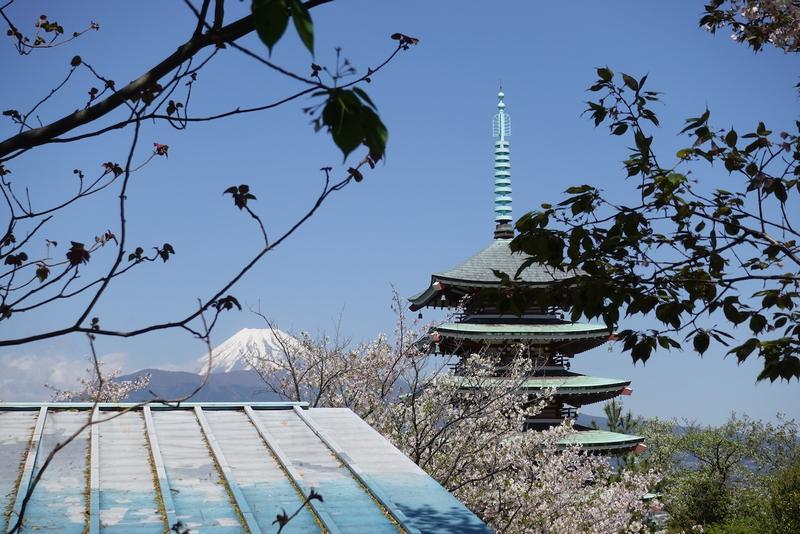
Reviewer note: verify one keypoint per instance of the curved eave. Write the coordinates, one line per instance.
(565, 338)
(568, 389)
(602, 441)
(536, 333)
(569, 347)
(570, 385)
(426, 297)
(420, 300)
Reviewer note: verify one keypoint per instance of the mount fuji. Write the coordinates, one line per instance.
(247, 346)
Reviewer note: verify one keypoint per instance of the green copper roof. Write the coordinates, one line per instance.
(479, 268)
(601, 440)
(531, 332)
(570, 384)
(478, 271)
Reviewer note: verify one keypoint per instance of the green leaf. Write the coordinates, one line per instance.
(620, 129)
(352, 123)
(576, 189)
(745, 349)
(605, 74)
(757, 323)
(733, 314)
(342, 122)
(365, 97)
(731, 138)
(270, 18)
(42, 272)
(375, 133)
(631, 82)
(701, 341)
(303, 25)
(641, 351)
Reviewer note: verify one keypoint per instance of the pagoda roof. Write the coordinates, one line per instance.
(560, 336)
(538, 332)
(574, 389)
(569, 384)
(602, 440)
(478, 271)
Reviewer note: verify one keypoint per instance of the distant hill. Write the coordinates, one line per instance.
(586, 420)
(233, 386)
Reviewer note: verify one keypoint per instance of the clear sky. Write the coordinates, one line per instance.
(426, 209)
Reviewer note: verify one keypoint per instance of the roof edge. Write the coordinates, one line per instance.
(278, 405)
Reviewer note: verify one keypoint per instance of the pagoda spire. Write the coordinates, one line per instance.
(501, 127)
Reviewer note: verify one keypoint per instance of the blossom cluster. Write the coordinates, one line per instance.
(758, 21)
(103, 388)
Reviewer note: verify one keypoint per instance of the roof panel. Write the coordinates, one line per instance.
(127, 488)
(319, 468)
(422, 500)
(61, 498)
(260, 478)
(16, 430)
(201, 500)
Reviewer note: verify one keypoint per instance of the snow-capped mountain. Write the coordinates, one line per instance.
(247, 345)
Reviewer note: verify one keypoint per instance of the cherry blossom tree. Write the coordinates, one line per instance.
(471, 441)
(100, 386)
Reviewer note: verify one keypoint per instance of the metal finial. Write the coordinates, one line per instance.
(501, 129)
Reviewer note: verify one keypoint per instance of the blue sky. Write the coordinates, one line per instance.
(427, 208)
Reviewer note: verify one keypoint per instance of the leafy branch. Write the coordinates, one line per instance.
(687, 252)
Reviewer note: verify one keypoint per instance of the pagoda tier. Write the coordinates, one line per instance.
(572, 388)
(548, 336)
(604, 441)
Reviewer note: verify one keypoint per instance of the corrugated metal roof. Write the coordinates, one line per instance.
(214, 467)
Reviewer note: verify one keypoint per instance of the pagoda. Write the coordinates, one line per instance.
(550, 340)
